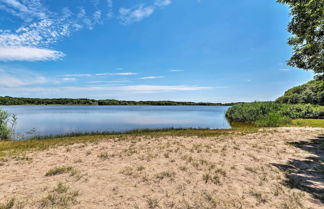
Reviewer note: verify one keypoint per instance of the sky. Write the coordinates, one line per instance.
(183, 50)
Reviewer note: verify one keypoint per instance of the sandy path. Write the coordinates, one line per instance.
(257, 170)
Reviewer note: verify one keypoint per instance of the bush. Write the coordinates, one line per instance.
(272, 114)
(5, 131)
(251, 112)
(273, 119)
(302, 111)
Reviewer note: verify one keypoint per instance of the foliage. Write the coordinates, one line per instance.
(302, 111)
(273, 119)
(272, 114)
(307, 27)
(250, 112)
(66, 101)
(5, 131)
(309, 93)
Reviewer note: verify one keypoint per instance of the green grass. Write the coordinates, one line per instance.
(11, 148)
(308, 122)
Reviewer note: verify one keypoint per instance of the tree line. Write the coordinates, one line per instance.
(7, 100)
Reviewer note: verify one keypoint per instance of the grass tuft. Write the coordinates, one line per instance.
(59, 170)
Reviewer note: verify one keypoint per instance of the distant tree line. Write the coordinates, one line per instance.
(6, 100)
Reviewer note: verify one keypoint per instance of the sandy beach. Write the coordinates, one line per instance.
(269, 168)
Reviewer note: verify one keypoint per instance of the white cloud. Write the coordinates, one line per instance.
(28, 54)
(163, 3)
(119, 74)
(69, 79)
(19, 78)
(284, 69)
(151, 77)
(77, 75)
(136, 14)
(158, 88)
(128, 16)
(88, 91)
(176, 70)
(26, 10)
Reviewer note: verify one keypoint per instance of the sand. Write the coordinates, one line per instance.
(272, 168)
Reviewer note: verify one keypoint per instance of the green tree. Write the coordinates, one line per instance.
(307, 27)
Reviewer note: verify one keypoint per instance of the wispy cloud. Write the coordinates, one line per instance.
(117, 74)
(175, 70)
(89, 91)
(284, 69)
(19, 78)
(28, 54)
(77, 75)
(151, 77)
(69, 79)
(138, 13)
(159, 88)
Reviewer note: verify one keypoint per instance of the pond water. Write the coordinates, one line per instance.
(57, 120)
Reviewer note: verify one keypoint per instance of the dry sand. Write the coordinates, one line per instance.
(273, 168)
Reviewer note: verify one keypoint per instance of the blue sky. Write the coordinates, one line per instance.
(185, 50)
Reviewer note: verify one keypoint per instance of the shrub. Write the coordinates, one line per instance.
(272, 114)
(5, 131)
(273, 119)
(251, 112)
(302, 111)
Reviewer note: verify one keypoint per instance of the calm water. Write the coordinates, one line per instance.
(47, 120)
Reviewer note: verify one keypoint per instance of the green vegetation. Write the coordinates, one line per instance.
(5, 120)
(272, 119)
(309, 93)
(308, 30)
(308, 122)
(66, 101)
(272, 114)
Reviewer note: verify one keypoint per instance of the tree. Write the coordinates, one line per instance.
(307, 27)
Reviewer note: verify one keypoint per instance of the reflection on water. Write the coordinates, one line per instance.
(47, 120)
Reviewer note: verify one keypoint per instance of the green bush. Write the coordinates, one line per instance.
(251, 112)
(273, 119)
(302, 111)
(5, 131)
(271, 113)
